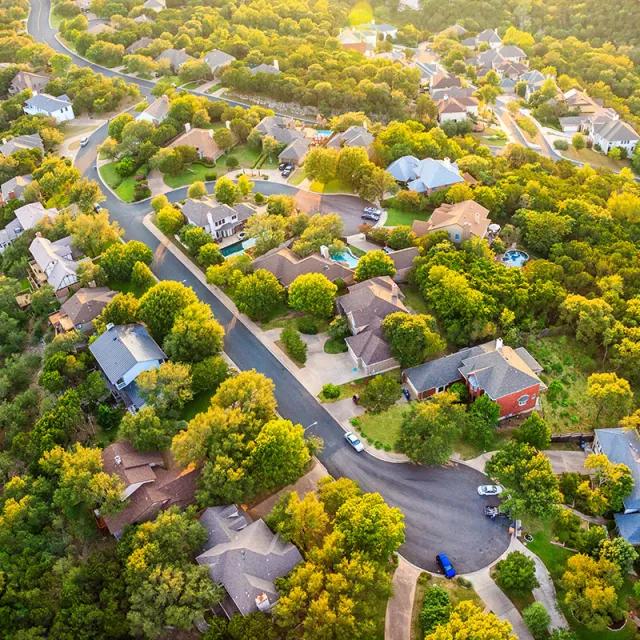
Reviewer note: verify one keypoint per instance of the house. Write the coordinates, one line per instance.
(176, 57)
(455, 29)
(512, 54)
(30, 214)
(59, 108)
(425, 176)
(362, 41)
(220, 220)
(577, 100)
(622, 447)
(286, 266)
(427, 71)
(508, 376)
(384, 30)
(156, 112)
(403, 262)
(444, 80)
(155, 5)
(123, 352)
(143, 19)
(53, 262)
(392, 56)
(295, 152)
(282, 129)
(470, 43)
(511, 70)
(21, 143)
(610, 133)
(79, 311)
(354, 136)
(201, 139)
(35, 82)
(366, 305)
(7, 235)
(99, 28)
(490, 37)
(461, 221)
(143, 43)
(273, 69)
(456, 109)
(14, 188)
(244, 557)
(217, 60)
(152, 482)
(508, 85)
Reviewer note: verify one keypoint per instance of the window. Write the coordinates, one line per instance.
(522, 400)
(457, 236)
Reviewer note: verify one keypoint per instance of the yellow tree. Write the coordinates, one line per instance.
(469, 621)
(610, 391)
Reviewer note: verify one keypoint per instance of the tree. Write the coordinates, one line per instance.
(146, 430)
(196, 190)
(436, 609)
(380, 394)
(281, 205)
(578, 142)
(516, 574)
(226, 191)
(161, 305)
(167, 388)
(170, 220)
(528, 478)
(245, 186)
(610, 391)
(620, 552)
(482, 421)
(334, 493)
(429, 429)
(614, 481)
(534, 431)
(92, 233)
(142, 277)
(320, 164)
(313, 293)
(224, 139)
(537, 619)
(118, 259)
(44, 301)
(208, 374)
(374, 264)
(294, 345)
(123, 309)
(350, 159)
(209, 255)
(86, 193)
(259, 295)
(271, 147)
(468, 621)
(195, 335)
(159, 202)
(194, 238)
(412, 338)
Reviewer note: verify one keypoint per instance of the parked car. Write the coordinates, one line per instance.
(387, 249)
(97, 208)
(353, 440)
(445, 565)
(281, 166)
(84, 142)
(287, 172)
(370, 216)
(489, 490)
(372, 210)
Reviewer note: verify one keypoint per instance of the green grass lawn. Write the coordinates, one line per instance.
(528, 127)
(124, 188)
(24, 285)
(382, 427)
(297, 176)
(193, 173)
(413, 298)
(289, 319)
(192, 85)
(71, 131)
(197, 404)
(127, 287)
(214, 88)
(335, 346)
(55, 20)
(246, 156)
(492, 137)
(397, 217)
(596, 159)
(334, 186)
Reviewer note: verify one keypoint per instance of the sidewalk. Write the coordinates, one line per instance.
(397, 625)
(561, 461)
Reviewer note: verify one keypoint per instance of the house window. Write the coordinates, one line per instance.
(522, 400)
(440, 389)
(457, 236)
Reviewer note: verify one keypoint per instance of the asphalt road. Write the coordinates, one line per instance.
(442, 509)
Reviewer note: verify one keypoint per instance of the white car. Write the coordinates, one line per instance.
(489, 490)
(353, 440)
(84, 142)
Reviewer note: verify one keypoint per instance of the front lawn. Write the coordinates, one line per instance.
(397, 217)
(196, 405)
(492, 137)
(334, 186)
(382, 427)
(124, 188)
(246, 156)
(193, 173)
(333, 346)
(192, 85)
(297, 176)
(127, 287)
(285, 318)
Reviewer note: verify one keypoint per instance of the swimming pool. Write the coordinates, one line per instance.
(515, 258)
(324, 133)
(237, 247)
(347, 257)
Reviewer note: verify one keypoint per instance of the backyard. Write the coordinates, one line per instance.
(397, 217)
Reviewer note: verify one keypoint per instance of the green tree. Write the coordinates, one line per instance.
(374, 264)
(271, 147)
(516, 574)
(142, 277)
(537, 619)
(209, 374)
(226, 191)
(123, 309)
(313, 293)
(209, 255)
(380, 394)
(578, 142)
(44, 301)
(412, 338)
(146, 430)
(167, 388)
(159, 202)
(194, 238)
(224, 139)
(170, 220)
(259, 295)
(436, 609)
(294, 345)
(196, 190)
(281, 205)
(610, 391)
(320, 164)
(349, 160)
(162, 304)
(620, 552)
(482, 420)
(334, 493)
(92, 233)
(614, 481)
(534, 431)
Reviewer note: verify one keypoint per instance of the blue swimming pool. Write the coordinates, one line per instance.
(515, 258)
(347, 257)
(324, 133)
(237, 247)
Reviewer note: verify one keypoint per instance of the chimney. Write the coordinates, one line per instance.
(187, 127)
(210, 132)
(226, 124)
(110, 326)
(447, 161)
(499, 344)
(262, 602)
(365, 124)
(118, 460)
(38, 234)
(276, 64)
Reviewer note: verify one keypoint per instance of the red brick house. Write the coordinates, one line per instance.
(508, 376)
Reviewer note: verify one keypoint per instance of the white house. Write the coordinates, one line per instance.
(610, 133)
(457, 109)
(53, 262)
(156, 112)
(43, 104)
(220, 220)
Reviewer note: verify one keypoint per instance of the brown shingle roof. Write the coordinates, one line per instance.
(372, 300)
(87, 304)
(201, 139)
(468, 213)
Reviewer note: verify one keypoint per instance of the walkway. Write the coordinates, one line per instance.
(561, 461)
(397, 624)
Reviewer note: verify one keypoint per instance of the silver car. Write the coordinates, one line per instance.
(489, 490)
(353, 440)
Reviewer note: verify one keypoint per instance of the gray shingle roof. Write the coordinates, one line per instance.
(615, 131)
(282, 129)
(48, 103)
(32, 141)
(122, 347)
(295, 151)
(264, 68)
(176, 57)
(623, 447)
(217, 58)
(197, 211)
(354, 136)
(629, 526)
(370, 346)
(87, 304)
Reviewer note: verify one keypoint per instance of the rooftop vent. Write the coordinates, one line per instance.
(118, 460)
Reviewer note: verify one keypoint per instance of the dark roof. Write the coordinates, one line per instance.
(354, 136)
(264, 68)
(282, 129)
(87, 304)
(629, 526)
(370, 346)
(48, 103)
(296, 150)
(28, 141)
(622, 447)
(403, 258)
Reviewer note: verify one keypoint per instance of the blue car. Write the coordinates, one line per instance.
(446, 565)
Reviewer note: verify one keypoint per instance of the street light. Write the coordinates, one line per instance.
(313, 424)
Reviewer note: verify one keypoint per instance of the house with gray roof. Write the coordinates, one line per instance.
(53, 262)
(622, 447)
(246, 558)
(142, 43)
(295, 152)
(220, 220)
(43, 104)
(490, 37)
(156, 112)
(21, 143)
(610, 133)
(354, 136)
(217, 60)
(272, 69)
(427, 71)
(123, 352)
(282, 129)
(14, 188)
(508, 376)
(425, 176)
(35, 82)
(176, 58)
(403, 262)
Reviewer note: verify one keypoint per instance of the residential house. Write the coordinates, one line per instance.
(282, 129)
(610, 133)
(142, 43)
(156, 112)
(217, 60)
(99, 28)
(511, 70)
(30, 214)
(152, 482)
(59, 108)
(461, 221)
(286, 266)
(21, 143)
(384, 30)
(354, 136)
(176, 58)
(53, 262)
(220, 220)
(123, 352)
(155, 5)
(366, 305)
(244, 557)
(79, 311)
(14, 188)
(35, 82)
(427, 71)
(512, 54)
(403, 262)
(534, 80)
(7, 235)
(392, 56)
(490, 37)
(457, 109)
(508, 85)
(202, 140)
(622, 447)
(508, 376)
(425, 176)
(455, 29)
(444, 80)
(295, 152)
(273, 69)
(470, 43)
(143, 19)
(363, 42)
(452, 92)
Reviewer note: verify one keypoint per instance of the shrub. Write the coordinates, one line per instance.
(331, 391)
(141, 191)
(108, 417)
(292, 341)
(537, 620)
(560, 145)
(170, 220)
(232, 162)
(307, 325)
(210, 176)
(436, 609)
(516, 573)
(460, 389)
(258, 198)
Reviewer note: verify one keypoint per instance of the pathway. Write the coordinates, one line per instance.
(561, 461)
(155, 180)
(397, 624)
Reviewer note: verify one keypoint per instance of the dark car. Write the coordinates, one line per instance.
(281, 166)
(287, 172)
(446, 565)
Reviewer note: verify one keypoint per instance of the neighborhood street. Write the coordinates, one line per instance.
(442, 509)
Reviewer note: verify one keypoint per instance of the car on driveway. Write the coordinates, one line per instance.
(489, 490)
(353, 440)
(287, 171)
(445, 565)
(281, 166)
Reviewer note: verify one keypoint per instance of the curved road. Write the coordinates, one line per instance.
(443, 512)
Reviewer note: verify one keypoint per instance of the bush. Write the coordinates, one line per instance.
(232, 162)
(209, 374)
(537, 620)
(258, 198)
(307, 325)
(141, 191)
(108, 417)
(516, 573)
(210, 176)
(560, 145)
(460, 389)
(296, 349)
(436, 609)
(330, 391)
